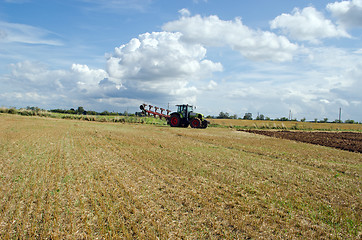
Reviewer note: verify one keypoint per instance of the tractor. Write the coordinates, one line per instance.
(183, 117)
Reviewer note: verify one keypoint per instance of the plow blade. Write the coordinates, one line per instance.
(154, 113)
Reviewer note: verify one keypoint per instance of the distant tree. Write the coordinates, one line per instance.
(349, 121)
(36, 109)
(71, 111)
(260, 117)
(91, 113)
(105, 113)
(302, 120)
(80, 110)
(324, 120)
(248, 116)
(223, 115)
(58, 110)
(116, 114)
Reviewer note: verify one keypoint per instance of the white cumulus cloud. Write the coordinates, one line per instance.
(348, 13)
(51, 87)
(38, 76)
(160, 63)
(307, 24)
(212, 31)
(155, 67)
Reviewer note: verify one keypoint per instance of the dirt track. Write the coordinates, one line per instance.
(350, 141)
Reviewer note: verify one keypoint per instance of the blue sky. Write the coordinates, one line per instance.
(262, 56)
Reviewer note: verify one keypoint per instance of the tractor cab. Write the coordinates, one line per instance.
(184, 110)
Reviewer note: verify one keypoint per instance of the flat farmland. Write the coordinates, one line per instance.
(66, 179)
(265, 124)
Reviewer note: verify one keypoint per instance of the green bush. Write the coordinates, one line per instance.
(26, 113)
(12, 111)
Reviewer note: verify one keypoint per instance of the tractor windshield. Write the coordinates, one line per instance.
(180, 108)
(184, 109)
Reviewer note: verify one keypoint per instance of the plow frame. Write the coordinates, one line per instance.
(154, 113)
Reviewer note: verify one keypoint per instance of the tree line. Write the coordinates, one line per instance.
(82, 111)
(249, 116)
(222, 115)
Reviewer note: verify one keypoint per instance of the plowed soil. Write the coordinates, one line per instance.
(350, 141)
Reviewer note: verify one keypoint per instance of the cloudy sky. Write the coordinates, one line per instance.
(260, 56)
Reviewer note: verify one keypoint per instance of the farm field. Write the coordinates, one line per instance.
(68, 179)
(265, 124)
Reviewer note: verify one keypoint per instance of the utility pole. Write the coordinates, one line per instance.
(340, 114)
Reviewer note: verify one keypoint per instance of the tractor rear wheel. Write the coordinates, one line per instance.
(175, 121)
(195, 123)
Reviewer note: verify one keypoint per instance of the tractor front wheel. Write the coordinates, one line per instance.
(195, 123)
(175, 121)
(204, 124)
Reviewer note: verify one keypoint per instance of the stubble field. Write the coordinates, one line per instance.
(64, 179)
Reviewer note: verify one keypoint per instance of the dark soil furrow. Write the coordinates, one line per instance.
(350, 141)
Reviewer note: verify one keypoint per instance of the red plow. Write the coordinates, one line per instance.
(154, 113)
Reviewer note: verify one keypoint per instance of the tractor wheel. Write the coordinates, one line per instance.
(204, 124)
(195, 123)
(175, 121)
